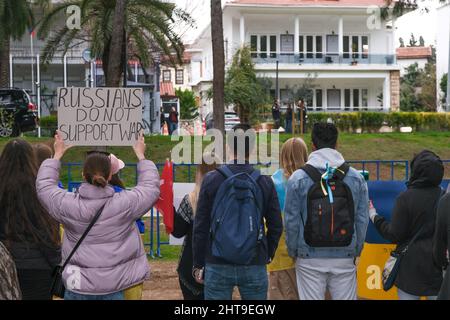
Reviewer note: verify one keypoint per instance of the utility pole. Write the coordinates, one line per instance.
(277, 87)
(448, 73)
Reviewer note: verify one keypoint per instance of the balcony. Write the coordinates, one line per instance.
(352, 59)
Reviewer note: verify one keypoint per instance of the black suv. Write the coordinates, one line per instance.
(17, 113)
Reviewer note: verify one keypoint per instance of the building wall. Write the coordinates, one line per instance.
(442, 47)
(405, 63)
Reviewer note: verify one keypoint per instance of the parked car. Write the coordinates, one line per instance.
(17, 113)
(231, 119)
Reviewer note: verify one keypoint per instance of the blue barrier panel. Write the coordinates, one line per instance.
(383, 195)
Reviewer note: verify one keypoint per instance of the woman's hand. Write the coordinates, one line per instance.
(60, 146)
(139, 147)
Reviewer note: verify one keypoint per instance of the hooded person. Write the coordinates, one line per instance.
(414, 214)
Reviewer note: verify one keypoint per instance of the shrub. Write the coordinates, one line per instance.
(49, 122)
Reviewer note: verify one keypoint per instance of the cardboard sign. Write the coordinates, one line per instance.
(100, 116)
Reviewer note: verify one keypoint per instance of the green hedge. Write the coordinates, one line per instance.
(373, 121)
(49, 122)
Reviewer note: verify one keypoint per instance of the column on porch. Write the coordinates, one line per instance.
(341, 37)
(242, 31)
(387, 93)
(297, 35)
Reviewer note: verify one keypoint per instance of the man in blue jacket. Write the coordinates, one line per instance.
(322, 268)
(221, 276)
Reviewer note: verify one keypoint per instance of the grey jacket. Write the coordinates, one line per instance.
(296, 209)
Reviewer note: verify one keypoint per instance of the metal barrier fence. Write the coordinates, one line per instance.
(389, 170)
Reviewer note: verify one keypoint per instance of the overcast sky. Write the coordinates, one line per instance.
(420, 23)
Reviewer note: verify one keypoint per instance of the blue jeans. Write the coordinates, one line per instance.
(172, 127)
(402, 295)
(69, 295)
(288, 126)
(220, 281)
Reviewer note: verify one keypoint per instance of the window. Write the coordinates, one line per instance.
(347, 99)
(319, 103)
(302, 47)
(287, 43)
(365, 98)
(273, 46)
(309, 47)
(263, 46)
(355, 47)
(346, 47)
(254, 45)
(355, 98)
(334, 99)
(319, 53)
(166, 76)
(332, 44)
(365, 47)
(179, 76)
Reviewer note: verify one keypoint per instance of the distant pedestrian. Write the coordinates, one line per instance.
(326, 219)
(173, 120)
(414, 215)
(282, 278)
(27, 230)
(183, 227)
(276, 115)
(237, 226)
(289, 118)
(302, 115)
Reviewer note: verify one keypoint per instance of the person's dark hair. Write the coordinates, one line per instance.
(324, 135)
(96, 169)
(22, 217)
(238, 133)
(42, 152)
(117, 182)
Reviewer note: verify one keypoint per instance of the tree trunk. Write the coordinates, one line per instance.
(218, 64)
(114, 68)
(4, 63)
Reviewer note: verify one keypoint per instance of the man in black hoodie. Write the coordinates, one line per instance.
(415, 213)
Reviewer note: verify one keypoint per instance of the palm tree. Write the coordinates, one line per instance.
(148, 25)
(15, 18)
(218, 64)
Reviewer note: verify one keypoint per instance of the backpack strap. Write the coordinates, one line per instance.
(342, 171)
(225, 171)
(255, 174)
(312, 172)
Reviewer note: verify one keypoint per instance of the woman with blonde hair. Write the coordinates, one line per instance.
(183, 226)
(282, 280)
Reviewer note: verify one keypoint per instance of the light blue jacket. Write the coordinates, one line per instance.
(296, 208)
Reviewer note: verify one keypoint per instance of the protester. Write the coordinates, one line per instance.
(235, 251)
(135, 292)
(414, 214)
(173, 120)
(9, 283)
(276, 113)
(282, 279)
(183, 227)
(112, 257)
(302, 114)
(441, 244)
(289, 116)
(26, 229)
(326, 218)
(42, 152)
(162, 120)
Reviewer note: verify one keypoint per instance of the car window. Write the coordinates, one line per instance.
(8, 97)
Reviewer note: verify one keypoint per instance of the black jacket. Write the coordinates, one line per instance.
(202, 221)
(414, 208)
(441, 243)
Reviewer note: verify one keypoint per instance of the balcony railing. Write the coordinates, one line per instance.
(323, 58)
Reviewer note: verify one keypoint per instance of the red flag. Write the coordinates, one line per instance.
(165, 202)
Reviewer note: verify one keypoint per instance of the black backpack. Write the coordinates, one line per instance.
(329, 224)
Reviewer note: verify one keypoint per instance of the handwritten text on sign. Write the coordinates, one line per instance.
(100, 116)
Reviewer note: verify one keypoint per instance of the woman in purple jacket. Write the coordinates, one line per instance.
(111, 257)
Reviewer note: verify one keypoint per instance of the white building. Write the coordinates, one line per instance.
(343, 44)
(407, 56)
(442, 50)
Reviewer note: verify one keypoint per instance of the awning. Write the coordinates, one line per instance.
(166, 90)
